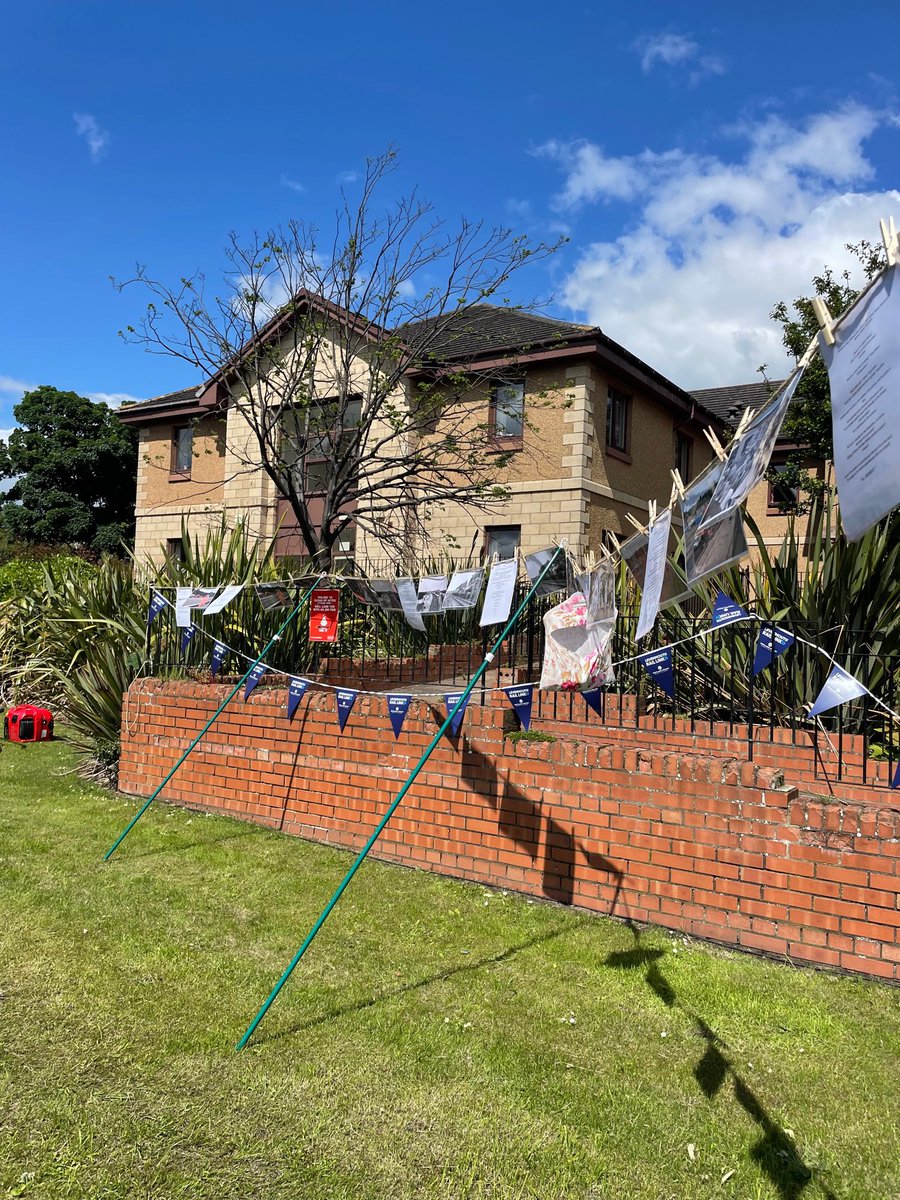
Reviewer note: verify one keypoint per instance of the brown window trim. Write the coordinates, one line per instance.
(619, 454)
(176, 476)
(503, 445)
(504, 442)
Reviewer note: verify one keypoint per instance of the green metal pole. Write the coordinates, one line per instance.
(137, 816)
(488, 659)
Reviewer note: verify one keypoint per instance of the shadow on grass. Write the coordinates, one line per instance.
(438, 977)
(775, 1152)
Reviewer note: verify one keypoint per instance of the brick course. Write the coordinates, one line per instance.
(683, 832)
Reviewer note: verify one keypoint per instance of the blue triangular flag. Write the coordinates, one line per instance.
(254, 677)
(521, 697)
(220, 650)
(296, 691)
(186, 636)
(594, 699)
(397, 709)
(895, 782)
(346, 698)
(839, 687)
(157, 604)
(726, 611)
(451, 699)
(658, 665)
(772, 642)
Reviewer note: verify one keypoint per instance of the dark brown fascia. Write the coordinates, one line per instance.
(149, 413)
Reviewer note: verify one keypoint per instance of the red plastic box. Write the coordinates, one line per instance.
(28, 723)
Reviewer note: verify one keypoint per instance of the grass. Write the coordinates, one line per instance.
(439, 1040)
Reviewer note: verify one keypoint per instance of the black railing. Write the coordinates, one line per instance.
(716, 693)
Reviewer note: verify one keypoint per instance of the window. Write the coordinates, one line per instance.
(502, 540)
(782, 498)
(175, 549)
(315, 440)
(683, 447)
(182, 451)
(618, 407)
(507, 413)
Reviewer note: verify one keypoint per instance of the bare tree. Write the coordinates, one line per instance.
(344, 367)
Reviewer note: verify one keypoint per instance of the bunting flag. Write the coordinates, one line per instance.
(895, 782)
(772, 642)
(157, 604)
(658, 665)
(839, 687)
(521, 697)
(186, 638)
(254, 677)
(398, 706)
(296, 691)
(346, 698)
(726, 611)
(219, 653)
(594, 699)
(450, 699)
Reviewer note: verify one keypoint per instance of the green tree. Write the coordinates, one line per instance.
(808, 422)
(75, 466)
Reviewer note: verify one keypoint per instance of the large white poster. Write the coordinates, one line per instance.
(748, 458)
(498, 595)
(657, 551)
(406, 590)
(864, 373)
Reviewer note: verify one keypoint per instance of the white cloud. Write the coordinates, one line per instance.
(113, 399)
(4, 434)
(12, 390)
(714, 244)
(293, 184)
(87, 126)
(347, 177)
(677, 50)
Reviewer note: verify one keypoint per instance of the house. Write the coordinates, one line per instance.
(587, 434)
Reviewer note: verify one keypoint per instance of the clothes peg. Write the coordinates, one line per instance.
(677, 484)
(717, 446)
(825, 319)
(889, 237)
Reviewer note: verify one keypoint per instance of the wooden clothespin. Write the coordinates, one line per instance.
(746, 418)
(825, 319)
(889, 237)
(636, 523)
(651, 513)
(809, 352)
(717, 446)
(677, 486)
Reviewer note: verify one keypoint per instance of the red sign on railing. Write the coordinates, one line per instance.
(323, 615)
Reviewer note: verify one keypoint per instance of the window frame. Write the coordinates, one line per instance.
(613, 396)
(490, 531)
(178, 474)
(774, 507)
(502, 440)
(323, 435)
(687, 442)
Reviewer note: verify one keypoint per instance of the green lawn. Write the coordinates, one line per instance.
(439, 1040)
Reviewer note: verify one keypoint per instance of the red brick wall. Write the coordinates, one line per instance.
(692, 837)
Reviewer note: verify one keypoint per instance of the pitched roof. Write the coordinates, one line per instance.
(488, 328)
(728, 403)
(169, 400)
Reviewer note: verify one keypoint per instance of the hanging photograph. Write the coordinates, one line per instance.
(464, 589)
(717, 546)
(273, 595)
(431, 591)
(385, 594)
(556, 579)
(748, 457)
(599, 590)
(634, 555)
(406, 590)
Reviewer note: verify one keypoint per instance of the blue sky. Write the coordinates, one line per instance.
(704, 159)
